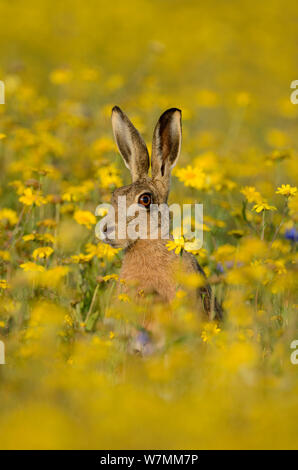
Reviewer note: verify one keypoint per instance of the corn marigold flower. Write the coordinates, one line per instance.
(85, 218)
(81, 258)
(177, 244)
(8, 216)
(5, 255)
(78, 193)
(3, 284)
(49, 223)
(109, 176)
(109, 277)
(236, 233)
(251, 194)
(45, 237)
(29, 266)
(286, 190)
(53, 276)
(102, 250)
(124, 298)
(192, 176)
(28, 238)
(68, 320)
(18, 186)
(42, 252)
(30, 197)
(263, 206)
(210, 330)
(277, 155)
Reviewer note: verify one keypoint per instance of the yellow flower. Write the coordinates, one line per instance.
(32, 267)
(78, 193)
(177, 244)
(109, 176)
(277, 156)
(192, 176)
(102, 250)
(8, 215)
(180, 294)
(251, 194)
(3, 284)
(236, 233)
(81, 258)
(30, 197)
(280, 266)
(286, 190)
(2, 136)
(28, 238)
(263, 206)
(224, 253)
(124, 297)
(85, 218)
(5, 255)
(52, 277)
(46, 237)
(109, 277)
(210, 330)
(68, 320)
(50, 223)
(42, 252)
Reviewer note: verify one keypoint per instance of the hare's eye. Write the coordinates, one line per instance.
(145, 199)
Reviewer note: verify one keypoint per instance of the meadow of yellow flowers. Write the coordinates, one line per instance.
(70, 380)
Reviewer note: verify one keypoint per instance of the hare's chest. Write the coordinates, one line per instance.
(151, 275)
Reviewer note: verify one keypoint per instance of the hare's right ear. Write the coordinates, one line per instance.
(130, 144)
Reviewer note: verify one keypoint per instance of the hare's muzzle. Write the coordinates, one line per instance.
(109, 232)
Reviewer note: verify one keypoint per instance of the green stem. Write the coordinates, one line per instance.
(263, 226)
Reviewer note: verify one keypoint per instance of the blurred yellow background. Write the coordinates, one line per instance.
(70, 379)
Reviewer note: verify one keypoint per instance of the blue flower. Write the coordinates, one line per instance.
(292, 234)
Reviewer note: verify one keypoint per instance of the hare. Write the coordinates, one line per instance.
(148, 262)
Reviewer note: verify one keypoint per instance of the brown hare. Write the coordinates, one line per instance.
(147, 262)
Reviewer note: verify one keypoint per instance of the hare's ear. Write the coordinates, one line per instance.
(130, 144)
(166, 144)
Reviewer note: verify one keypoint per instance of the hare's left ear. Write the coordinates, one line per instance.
(166, 144)
(130, 144)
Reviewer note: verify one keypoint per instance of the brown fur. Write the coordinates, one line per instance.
(147, 264)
